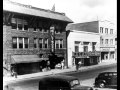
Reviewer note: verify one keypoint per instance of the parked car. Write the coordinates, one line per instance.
(51, 82)
(61, 82)
(106, 79)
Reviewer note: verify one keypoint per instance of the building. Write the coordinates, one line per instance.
(107, 40)
(83, 43)
(91, 36)
(27, 39)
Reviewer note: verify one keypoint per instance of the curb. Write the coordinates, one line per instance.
(59, 72)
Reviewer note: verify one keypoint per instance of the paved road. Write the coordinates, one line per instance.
(86, 78)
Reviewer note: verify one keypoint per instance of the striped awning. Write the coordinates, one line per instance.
(26, 59)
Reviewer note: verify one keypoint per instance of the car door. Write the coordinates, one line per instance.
(114, 79)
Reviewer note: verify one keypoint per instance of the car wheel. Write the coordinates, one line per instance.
(101, 85)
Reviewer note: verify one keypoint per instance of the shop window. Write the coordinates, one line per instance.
(14, 42)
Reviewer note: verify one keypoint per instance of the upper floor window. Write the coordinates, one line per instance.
(19, 24)
(59, 43)
(46, 43)
(106, 30)
(111, 41)
(101, 29)
(106, 41)
(102, 41)
(57, 31)
(40, 43)
(35, 42)
(20, 42)
(111, 31)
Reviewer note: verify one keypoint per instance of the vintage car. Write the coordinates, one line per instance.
(61, 82)
(106, 79)
(51, 82)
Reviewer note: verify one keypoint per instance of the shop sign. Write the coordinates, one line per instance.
(105, 49)
(85, 54)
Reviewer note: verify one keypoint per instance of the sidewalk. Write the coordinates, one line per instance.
(57, 71)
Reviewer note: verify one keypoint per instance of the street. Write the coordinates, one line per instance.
(86, 78)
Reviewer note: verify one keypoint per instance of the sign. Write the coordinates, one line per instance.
(105, 49)
(86, 54)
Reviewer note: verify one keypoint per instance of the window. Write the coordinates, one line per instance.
(61, 43)
(14, 42)
(106, 41)
(35, 29)
(102, 41)
(106, 30)
(20, 42)
(85, 48)
(57, 43)
(14, 23)
(93, 46)
(35, 42)
(111, 31)
(46, 43)
(101, 29)
(19, 24)
(25, 42)
(40, 29)
(111, 41)
(40, 43)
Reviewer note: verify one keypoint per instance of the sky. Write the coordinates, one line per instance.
(79, 10)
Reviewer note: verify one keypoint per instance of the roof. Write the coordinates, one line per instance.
(29, 10)
(86, 26)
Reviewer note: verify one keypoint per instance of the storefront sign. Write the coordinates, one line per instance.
(86, 54)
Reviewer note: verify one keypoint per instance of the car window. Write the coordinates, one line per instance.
(74, 83)
(52, 84)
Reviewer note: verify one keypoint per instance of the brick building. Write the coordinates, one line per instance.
(27, 38)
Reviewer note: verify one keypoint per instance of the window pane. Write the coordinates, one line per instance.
(40, 43)
(61, 43)
(13, 23)
(46, 43)
(26, 42)
(14, 42)
(20, 42)
(35, 43)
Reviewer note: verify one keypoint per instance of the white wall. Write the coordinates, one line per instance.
(81, 36)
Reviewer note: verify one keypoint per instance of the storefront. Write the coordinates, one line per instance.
(87, 58)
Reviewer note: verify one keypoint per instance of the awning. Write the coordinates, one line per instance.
(26, 59)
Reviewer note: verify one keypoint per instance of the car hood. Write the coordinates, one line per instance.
(79, 87)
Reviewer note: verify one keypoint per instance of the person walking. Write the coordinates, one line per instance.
(77, 65)
(62, 64)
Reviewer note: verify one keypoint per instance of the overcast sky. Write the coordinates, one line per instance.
(79, 10)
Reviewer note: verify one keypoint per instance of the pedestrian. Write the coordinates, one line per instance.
(48, 65)
(80, 63)
(62, 64)
(77, 65)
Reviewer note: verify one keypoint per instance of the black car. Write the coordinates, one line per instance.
(61, 82)
(52, 82)
(106, 79)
